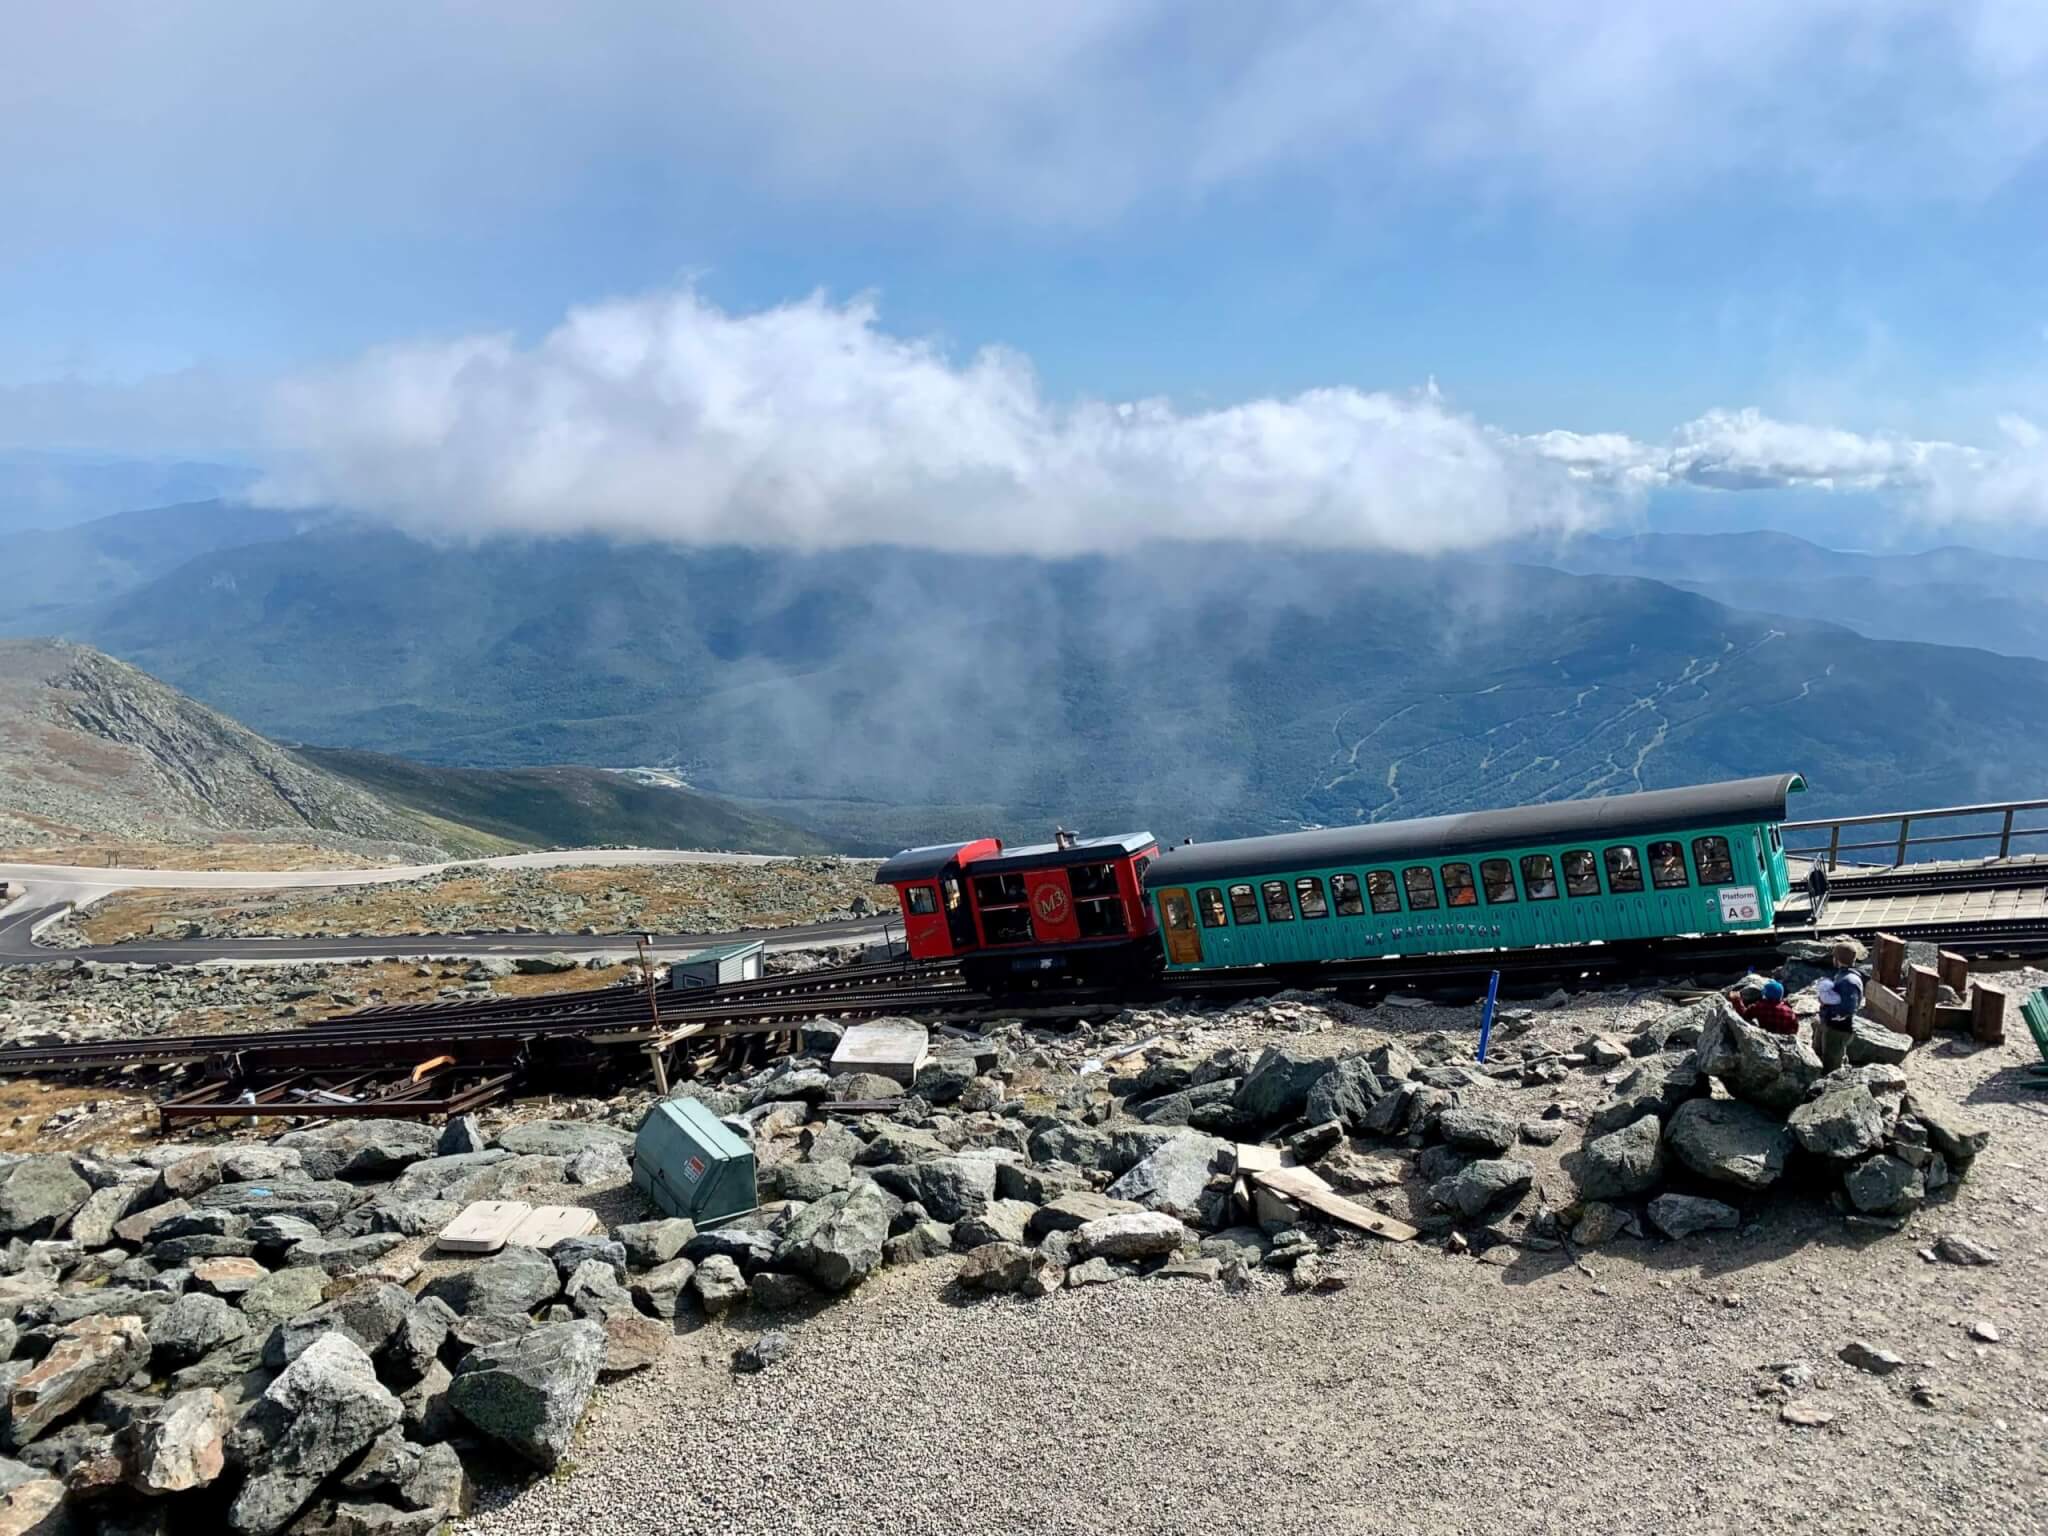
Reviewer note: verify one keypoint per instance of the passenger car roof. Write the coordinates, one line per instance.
(1732, 802)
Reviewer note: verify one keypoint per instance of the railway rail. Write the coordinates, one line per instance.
(443, 1057)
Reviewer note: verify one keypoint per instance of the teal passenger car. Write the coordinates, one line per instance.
(1707, 859)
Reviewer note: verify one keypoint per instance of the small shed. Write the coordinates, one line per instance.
(719, 966)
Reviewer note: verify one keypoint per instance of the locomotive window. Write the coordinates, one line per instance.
(1459, 891)
(1349, 902)
(922, 902)
(1100, 917)
(1092, 880)
(1499, 875)
(1278, 908)
(1420, 880)
(1539, 874)
(1309, 892)
(1138, 868)
(1244, 905)
(1624, 870)
(951, 886)
(1004, 890)
(1386, 895)
(1210, 900)
(1667, 866)
(1581, 872)
(1711, 858)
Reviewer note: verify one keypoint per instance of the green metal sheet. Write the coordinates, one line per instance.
(691, 1164)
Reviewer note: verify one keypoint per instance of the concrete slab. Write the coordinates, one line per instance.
(893, 1048)
(484, 1226)
(548, 1225)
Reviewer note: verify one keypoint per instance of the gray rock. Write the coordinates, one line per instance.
(1485, 1132)
(175, 1251)
(366, 1315)
(1005, 1221)
(1174, 1178)
(530, 1392)
(561, 1138)
(924, 1240)
(1599, 1224)
(659, 1292)
(320, 1412)
(837, 1241)
(1075, 1210)
(510, 1280)
(1871, 1043)
(459, 1176)
(1129, 1235)
(360, 1149)
(1626, 1162)
(773, 1292)
(283, 1295)
(1278, 1085)
(183, 1446)
(192, 1326)
(260, 1164)
(1092, 1272)
(92, 1224)
(1130, 1145)
(599, 1166)
(1770, 1071)
(649, 1243)
(806, 1181)
(138, 1226)
(948, 1187)
(461, 1134)
(189, 1176)
(1844, 1123)
(900, 1144)
(572, 1253)
(555, 964)
(1868, 1357)
(1885, 1186)
(1954, 1248)
(1036, 1186)
(772, 1348)
(1395, 1113)
(1680, 1216)
(944, 1078)
(750, 1247)
(1488, 1182)
(38, 1195)
(277, 1233)
(320, 1201)
(1062, 1141)
(87, 1355)
(1657, 1088)
(341, 1255)
(1730, 1143)
(1393, 1062)
(415, 1344)
(718, 1284)
(1676, 1027)
(1346, 1093)
(1954, 1135)
(427, 1414)
(997, 1267)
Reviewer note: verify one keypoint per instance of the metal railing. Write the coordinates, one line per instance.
(2005, 833)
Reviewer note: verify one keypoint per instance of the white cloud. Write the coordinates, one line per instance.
(808, 425)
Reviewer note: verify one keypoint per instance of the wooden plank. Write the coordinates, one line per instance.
(483, 1226)
(1987, 1015)
(1923, 992)
(1886, 1006)
(1891, 960)
(1258, 1159)
(1306, 1187)
(1953, 1017)
(1954, 970)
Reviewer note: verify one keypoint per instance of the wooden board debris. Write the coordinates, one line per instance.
(548, 1225)
(483, 1226)
(1306, 1187)
(1259, 1159)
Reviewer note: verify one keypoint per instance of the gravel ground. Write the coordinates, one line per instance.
(1620, 1390)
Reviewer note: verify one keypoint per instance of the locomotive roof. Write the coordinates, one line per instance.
(1084, 850)
(928, 863)
(1730, 803)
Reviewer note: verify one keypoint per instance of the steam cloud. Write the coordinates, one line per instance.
(810, 426)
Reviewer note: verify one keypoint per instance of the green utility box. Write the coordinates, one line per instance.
(690, 1164)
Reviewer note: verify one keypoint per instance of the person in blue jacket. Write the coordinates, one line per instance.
(1841, 999)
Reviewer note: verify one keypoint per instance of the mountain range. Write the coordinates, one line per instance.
(884, 696)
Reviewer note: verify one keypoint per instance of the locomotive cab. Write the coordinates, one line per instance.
(932, 894)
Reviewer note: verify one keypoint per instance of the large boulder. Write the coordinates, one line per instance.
(1004, 1221)
(530, 1392)
(1479, 1186)
(1885, 1186)
(1770, 1071)
(1871, 1044)
(366, 1315)
(1074, 1209)
(285, 1294)
(88, 1355)
(1844, 1123)
(1657, 1087)
(1277, 1087)
(38, 1195)
(659, 1292)
(194, 1325)
(1676, 1028)
(92, 1224)
(650, 1243)
(561, 1138)
(1626, 1162)
(512, 1280)
(181, 1447)
(361, 1149)
(948, 1187)
(1730, 1142)
(837, 1242)
(1129, 1235)
(1482, 1132)
(1346, 1093)
(1064, 1141)
(1680, 1216)
(1174, 1178)
(1954, 1134)
(322, 1409)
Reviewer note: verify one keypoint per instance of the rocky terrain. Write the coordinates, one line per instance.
(668, 898)
(1038, 1291)
(87, 742)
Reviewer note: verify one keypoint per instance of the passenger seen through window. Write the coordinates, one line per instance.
(1350, 903)
(1581, 872)
(1278, 908)
(1667, 866)
(1539, 874)
(1421, 883)
(1499, 877)
(1385, 893)
(1624, 870)
(1711, 858)
(1244, 905)
(1210, 900)
(922, 902)
(1459, 891)
(1309, 892)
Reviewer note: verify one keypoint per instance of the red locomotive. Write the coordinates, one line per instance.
(1073, 909)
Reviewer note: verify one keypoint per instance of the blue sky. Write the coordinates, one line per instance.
(341, 243)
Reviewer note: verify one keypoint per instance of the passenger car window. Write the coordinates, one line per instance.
(1459, 891)
(1178, 917)
(1350, 903)
(1624, 870)
(1539, 874)
(1309, 892)
(1499, 875)
(1385, 893)
(1210, 900)
(1244, 905)
(922, 901)
(1278, 908)
(1581, 872)
(1420, 880)
(1711, 858)
(1667, 866)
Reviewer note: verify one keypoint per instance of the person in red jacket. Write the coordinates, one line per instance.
(1773, 1013)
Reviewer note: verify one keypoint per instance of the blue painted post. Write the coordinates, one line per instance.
(1486, 1018)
